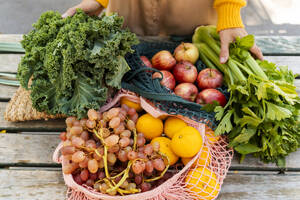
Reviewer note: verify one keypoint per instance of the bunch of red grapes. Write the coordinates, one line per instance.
(105, 152)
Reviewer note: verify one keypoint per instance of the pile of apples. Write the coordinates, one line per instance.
(180, 75)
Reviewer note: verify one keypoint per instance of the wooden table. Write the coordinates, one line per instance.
(27, 171)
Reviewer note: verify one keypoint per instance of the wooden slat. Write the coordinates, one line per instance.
(10, 37)
(253, 163)
(48, 185)
(31, 185)
(36, 150)
(50, 125)
(279, 44)
(242, 186)
(6, 92)
(9, 62)
(18, 149)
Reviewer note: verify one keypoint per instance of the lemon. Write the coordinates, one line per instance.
(187, 142)
(150, 126)
(203, 160)
(173, 125)
(203, 182)
(165, 148)
(131, 104)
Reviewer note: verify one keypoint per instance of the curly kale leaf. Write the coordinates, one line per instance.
(72, 63)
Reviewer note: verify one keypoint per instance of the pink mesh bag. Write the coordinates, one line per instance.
(201, 178)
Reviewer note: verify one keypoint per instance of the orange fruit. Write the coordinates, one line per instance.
(173, 125)
(187, 142)
(203, 160)
(150, 126)
(165, 148)
(203, 182)
(131, 104)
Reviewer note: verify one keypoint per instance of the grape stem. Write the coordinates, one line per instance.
(110, 185)
(134, 139)
(123, 179)
(120, 174)
(100, 136)
(163, 172)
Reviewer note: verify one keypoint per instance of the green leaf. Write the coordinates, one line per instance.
(275, 112)
(225, 125)
(246, 42)
(281, 163)
(244, 137)
(248, 111)
(210, 107)
(247, 148)
(252, 121)
(219, 110)
(114, 79)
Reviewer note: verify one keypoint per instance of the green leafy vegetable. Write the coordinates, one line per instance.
(262, 114)
(74, 63)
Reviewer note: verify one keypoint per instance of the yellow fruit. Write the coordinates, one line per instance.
(203, 182)
(148, 125)
(187, 142)
(165, 148)
(131, 104)
(211, 136)
(203, 160)
(173, 125)
(163, 117)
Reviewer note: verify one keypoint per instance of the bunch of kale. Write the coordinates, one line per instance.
(72, 63)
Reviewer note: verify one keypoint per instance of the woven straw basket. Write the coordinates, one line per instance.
(20, 108)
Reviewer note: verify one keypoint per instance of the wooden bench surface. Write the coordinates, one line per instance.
(28, 172)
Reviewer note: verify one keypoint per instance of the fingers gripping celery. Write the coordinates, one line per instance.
(261, 116)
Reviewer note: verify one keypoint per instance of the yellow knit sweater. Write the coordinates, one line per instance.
(228, 12)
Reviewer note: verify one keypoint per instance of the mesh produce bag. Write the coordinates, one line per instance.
(20, 108)
(201, 178)
(139, 80)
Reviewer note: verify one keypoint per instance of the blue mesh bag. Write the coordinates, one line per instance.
(139, 80)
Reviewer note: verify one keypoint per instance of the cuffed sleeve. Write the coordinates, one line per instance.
(104, 3)
(229, 15)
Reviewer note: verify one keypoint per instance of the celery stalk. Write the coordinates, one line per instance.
(252, 64)
(236, 71)
(244, 68)
(206, 61)
(211, 55)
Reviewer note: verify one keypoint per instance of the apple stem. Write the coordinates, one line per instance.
(210, 73)
(187, 67)
(183, 44)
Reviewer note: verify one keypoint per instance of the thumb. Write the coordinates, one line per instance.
(224, 54)
(69, 12)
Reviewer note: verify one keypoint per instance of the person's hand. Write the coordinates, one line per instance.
(90, 7)
(227, 36)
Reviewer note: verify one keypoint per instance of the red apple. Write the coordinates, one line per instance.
(187, 91)
(209, 78)
(186, 52)
(185, 72)
(163, 60)
(146, 61)
(209, 96)
(168, 79)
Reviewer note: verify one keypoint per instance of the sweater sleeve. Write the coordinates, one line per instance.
(229, 15)
(104, 3)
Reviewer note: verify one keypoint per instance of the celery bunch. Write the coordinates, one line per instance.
(261, 116)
